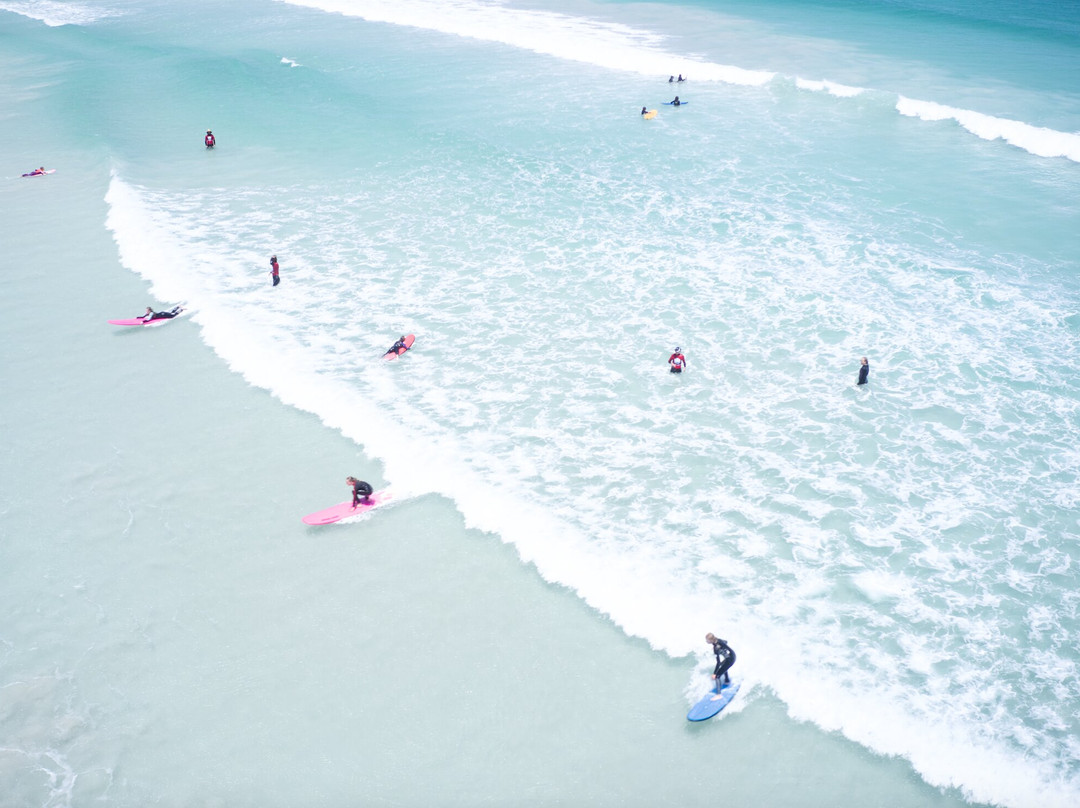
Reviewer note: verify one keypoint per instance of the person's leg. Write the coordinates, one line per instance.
(722, 673)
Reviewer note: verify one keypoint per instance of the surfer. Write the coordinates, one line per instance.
(160, 315)
(361, 491)
(677, 102)
(209, 140)
(864, 371)
(677, 360)
(274, 269)
(398, 347)
(670, 79)
(725, 658)
(680, 78)
(644, 110)
(37, 172)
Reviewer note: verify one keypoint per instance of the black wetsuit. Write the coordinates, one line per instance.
(864, 373)
(163, 315)
(725, 658)
(360, 492)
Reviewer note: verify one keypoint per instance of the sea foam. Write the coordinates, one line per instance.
(521, 457)
(1035, 139)
(55, 14)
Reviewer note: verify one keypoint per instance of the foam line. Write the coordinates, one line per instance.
(56, 14)
(1034, 139)
(830, 87)
(577, 39)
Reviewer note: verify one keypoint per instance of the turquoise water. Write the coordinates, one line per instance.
(895, 565)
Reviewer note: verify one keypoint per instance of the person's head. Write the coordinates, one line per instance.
(148, 309)
(351, 480)
(678, 349)
(209, 132)
(401, 338)
(710, 637)
(865, 361)
(273, 259)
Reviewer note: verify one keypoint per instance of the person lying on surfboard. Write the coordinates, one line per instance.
(725, 658)
(36, 172)
(398, 346)
(160, 315)
(361, 491)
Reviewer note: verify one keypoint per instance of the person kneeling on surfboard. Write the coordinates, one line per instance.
(677, 361)
(398, 346)
(725, 658)
(361, 491)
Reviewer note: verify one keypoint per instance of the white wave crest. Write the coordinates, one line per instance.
(55, 14)
(578, 39)
(1038, 140)
(830, 87)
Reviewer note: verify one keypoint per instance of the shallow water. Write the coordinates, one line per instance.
(894, 565)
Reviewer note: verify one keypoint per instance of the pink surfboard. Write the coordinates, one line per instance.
(136, 321)
(141, 321)
(409, 340)
(345, 509)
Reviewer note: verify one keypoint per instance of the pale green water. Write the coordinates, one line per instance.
(894, 565)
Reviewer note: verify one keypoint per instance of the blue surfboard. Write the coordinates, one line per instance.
(680, 104)
(712, 703)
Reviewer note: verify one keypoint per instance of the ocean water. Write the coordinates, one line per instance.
(895, 565)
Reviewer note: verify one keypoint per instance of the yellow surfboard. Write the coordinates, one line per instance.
(649, 115)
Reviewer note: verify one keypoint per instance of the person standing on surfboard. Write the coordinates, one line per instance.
(210, 140)
(361, 491)
(677, 361)
(725, 658)
(274, 269)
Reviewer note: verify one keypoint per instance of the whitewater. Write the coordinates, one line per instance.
(895, 563)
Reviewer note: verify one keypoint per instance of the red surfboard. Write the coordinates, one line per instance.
(409, 340)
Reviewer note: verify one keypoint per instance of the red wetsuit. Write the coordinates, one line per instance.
(677, 362)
